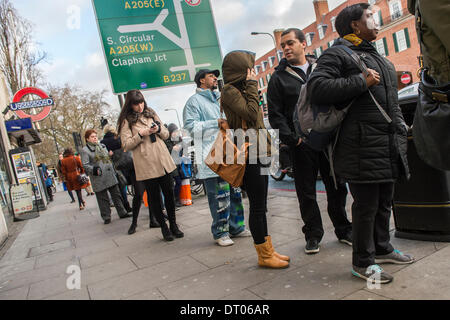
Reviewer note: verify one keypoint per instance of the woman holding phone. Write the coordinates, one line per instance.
(142, 133)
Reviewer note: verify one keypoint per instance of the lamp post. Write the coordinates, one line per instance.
(274, 42)
(172, 109)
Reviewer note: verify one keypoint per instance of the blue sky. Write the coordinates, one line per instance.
(76, 57)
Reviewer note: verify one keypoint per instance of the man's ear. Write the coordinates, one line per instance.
(304, 45)
(355, 27)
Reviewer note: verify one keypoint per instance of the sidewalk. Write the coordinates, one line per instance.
(115, 265)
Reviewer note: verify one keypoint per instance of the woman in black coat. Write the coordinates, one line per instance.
(370, 153)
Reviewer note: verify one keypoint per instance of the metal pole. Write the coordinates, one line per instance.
(121, 100)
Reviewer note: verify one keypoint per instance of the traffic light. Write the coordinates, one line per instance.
(261, 99)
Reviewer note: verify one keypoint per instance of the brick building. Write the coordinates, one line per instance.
(397, 39)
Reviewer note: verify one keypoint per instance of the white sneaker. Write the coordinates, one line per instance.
(243, 234)
(224, 241)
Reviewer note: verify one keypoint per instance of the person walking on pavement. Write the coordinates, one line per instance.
(370, 152)
(61, 177)
(201, 117)
(98, 165)
(240, 102)
(113, 144)
(71, 167)
(143, 133)
(283, 92)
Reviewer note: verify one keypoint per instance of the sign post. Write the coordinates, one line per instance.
(151, 44)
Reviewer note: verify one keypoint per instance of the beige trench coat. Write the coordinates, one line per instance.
(151, 160)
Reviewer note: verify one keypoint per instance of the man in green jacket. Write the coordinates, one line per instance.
(435, 29)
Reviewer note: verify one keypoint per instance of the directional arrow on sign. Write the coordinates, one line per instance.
(183, 41)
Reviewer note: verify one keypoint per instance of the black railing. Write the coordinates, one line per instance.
(394, 17)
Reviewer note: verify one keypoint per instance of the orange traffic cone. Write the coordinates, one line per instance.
(145, 198)
(185, 193)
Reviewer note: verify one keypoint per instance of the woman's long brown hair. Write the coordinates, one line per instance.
(133, 97)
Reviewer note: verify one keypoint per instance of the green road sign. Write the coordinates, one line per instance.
(152, 44)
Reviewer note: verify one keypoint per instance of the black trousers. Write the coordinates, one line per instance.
(307, 163)
(371, 212)
(153, 187)
(256, 186)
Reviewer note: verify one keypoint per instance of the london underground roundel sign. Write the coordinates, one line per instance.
(45, 103)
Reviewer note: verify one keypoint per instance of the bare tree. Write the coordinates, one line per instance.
(19, 57)
(75, 110)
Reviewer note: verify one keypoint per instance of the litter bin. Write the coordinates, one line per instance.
(421, 205)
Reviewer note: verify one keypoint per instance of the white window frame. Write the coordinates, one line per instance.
(330, 43)
(261, 83)
(264, 65)
(320, 30)
(333, 22)
(391, 9)
(402, 45)
(280, 55)
(257, 67)
(268, 77)
(272, 61)
(318, 52)
(308, 39)
(379, 44)
(372, 2)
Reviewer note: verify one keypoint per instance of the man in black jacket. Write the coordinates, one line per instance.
(283, 92)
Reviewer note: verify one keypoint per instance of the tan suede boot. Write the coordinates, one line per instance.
(276, 254)
(266, 257)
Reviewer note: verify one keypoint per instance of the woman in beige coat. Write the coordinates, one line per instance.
(142, 133)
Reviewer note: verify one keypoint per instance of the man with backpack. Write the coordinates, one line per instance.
(283, 93)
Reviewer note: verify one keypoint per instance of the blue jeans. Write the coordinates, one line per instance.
(225, 204)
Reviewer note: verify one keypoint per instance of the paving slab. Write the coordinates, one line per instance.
(60, 245)
(15, 294)
(219, 282)
(365, 295)
(107, 271)
(81, 294)
(145, 279)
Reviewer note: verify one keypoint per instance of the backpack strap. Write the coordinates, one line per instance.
(363, 67)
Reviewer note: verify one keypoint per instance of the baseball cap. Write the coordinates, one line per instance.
(202, 73)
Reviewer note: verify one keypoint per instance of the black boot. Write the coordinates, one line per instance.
(153, 222)
(174, 227)
(166, 232)
(132, 229)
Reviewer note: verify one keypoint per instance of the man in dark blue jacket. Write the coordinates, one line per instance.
(283, 92)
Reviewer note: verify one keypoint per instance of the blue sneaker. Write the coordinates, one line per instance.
(374, 274)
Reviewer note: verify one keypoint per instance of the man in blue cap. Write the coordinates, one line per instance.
(201, 116)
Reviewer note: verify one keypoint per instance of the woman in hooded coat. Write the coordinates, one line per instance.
(240, 102)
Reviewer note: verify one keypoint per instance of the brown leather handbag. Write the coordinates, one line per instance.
(231, 171)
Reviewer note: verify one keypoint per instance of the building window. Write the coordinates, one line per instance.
(318, 52)
(257, 69)
(378, 18)
(321, 32)
(265, 98)
(268, 76)
(330, 43)
(333, 21)
(381, 46)
(271, 61)
(309, 38)
(372, 2)
(280, 55)
(401, 40)
(396, 9)
(261, 83)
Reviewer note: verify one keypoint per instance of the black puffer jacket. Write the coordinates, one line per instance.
(369, 149)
